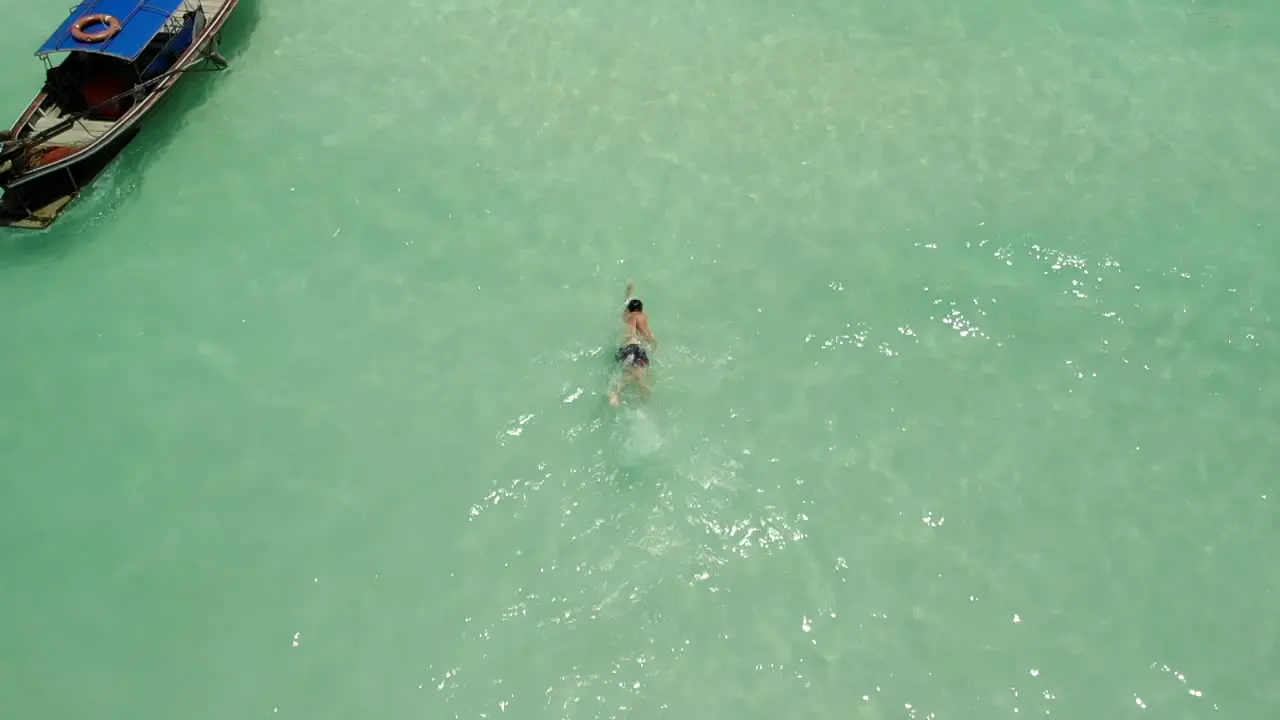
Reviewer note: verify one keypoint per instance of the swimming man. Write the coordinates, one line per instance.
(631, 352)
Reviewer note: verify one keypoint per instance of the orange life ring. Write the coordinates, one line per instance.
(110, 26)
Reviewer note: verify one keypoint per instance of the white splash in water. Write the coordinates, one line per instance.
(641, 434)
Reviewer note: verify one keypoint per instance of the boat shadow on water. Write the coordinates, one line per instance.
(120, 170)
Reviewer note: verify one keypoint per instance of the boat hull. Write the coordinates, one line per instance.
(36, 204)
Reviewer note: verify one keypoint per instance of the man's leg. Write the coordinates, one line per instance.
(624, 379)
(642, 378)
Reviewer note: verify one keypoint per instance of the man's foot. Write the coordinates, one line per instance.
(613, 399)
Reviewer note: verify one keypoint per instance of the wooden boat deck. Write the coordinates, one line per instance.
(41, 217)
(80, 134)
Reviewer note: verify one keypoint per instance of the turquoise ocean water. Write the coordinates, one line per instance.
(963, 409)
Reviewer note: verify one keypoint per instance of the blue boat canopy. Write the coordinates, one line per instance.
(140, 21)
